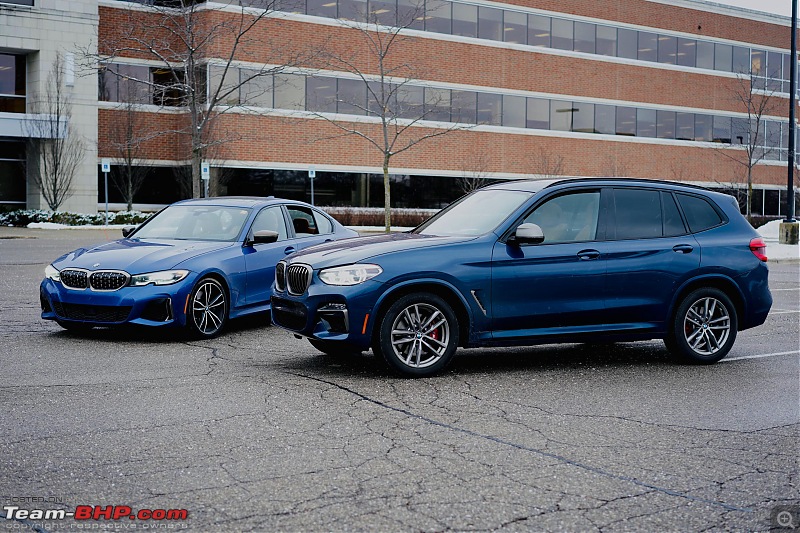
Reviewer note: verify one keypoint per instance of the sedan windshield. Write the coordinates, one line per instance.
(196, 223)
(476, 214)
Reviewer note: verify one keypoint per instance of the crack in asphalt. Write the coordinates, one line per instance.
(521, 447)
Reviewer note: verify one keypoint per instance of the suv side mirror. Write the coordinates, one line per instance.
(527, 234)
(127, 230)
(264, 236)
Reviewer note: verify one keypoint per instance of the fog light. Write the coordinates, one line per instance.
(334, 317)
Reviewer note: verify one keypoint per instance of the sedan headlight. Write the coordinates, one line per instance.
(52, 272)
(167, 277)
(349, 274)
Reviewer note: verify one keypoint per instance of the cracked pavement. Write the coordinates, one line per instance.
(256, 431)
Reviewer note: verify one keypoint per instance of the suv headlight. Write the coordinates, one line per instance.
(52, 272)
(166, 277)
(349, 274)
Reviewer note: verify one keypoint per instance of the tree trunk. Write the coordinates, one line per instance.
(749, 210)
(387, 196)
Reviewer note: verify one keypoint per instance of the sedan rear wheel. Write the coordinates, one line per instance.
(704, 327)
(418, 335)
(208, 308)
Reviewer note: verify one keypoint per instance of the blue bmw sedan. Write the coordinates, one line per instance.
(195, 264)
(535, 262)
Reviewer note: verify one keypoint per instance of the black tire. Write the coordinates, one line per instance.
(75, 327)
(208, 309)
(418, 335)
(704, 327)
(333, 348)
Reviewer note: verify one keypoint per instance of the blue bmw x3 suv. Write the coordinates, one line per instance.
(534, 262)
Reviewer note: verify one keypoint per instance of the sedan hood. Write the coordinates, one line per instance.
(360, 249)
(137, 256)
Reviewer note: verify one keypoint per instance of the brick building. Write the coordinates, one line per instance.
(530, 88)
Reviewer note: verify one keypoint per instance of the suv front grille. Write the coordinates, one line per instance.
(298, 278)
(100, 280)
(280, 276)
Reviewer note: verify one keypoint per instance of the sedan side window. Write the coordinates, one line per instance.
(302, 220)
(271, 218)
(568, 218)
(323, 224)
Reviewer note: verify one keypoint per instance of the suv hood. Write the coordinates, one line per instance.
(360, 249)
(137, 256)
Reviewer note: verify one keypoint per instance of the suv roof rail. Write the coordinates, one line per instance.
(637, 180)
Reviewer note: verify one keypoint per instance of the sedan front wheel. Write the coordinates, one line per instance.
(208, 309)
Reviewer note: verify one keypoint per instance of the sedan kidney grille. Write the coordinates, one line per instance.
(75, 279)
(108, 280)
(298, 278)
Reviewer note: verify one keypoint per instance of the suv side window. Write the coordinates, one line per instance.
(699, 213)
(302, 220)
(673, 224)
(570, 217)
(271, 218)
(637, 214)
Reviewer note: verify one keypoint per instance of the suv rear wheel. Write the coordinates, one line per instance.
(704, 327)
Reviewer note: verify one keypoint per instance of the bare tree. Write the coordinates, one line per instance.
(393, 100)
(55, 150)
(127, 137)
(545, 164)
(752, 136)
(195, 45)
(474, 171)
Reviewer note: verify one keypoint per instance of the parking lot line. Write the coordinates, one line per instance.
(759, 356)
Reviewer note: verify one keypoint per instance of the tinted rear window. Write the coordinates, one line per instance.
(673, 225)
(638, 214)
(700, 214)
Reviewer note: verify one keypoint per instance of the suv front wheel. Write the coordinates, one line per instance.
(704, 327)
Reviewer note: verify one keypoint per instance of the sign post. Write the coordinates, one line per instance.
(312, 173)
(105, 165)
(205, 175)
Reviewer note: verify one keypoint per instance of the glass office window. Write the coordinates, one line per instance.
(437, 104)
(321, 8)
(648, 46)
(321, 94)
(352, 97)
(667, 49)
(225, 90)
(514, 111)
(490, 108)
(606, 41)
(665, 124)
(705, 55)
(626, 120)
(290, 91)
(438, 15)
(411, 14)
(684, 126)
(383, 12)
(377, 95)
(583, 117)
(703, 127)
(773, 133)
(562, 34)
(464, 106)
(561, 115)
(740, 131)
(722, 130)
(627, 43)
(539, 31)
(538, 115)
(605, 119)
(134, 84)
(787, 63)
(740, 63)
(723, 57)
(256, 88)
(465, 20)
(410, 102)
(585, 37)
(687, 52)
(490, 23)
(774, 65)
(515, 27)
(353, 10)
(645, 122)
(758, 62)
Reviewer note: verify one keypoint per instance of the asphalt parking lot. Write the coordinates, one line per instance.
(256, 431)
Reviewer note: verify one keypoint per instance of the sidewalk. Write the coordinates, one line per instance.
(778, 253)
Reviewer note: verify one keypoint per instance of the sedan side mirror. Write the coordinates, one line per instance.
(264, 236)
(527, 234)
(127, 230)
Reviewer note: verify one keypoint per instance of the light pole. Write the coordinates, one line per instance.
(789, 227)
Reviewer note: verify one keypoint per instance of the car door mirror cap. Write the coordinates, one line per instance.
(127, 230)
(264, 236)
(527, 233)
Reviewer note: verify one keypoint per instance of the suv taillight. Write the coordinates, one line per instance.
(759, 248)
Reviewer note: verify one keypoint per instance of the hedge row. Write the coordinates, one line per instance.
(24, 217)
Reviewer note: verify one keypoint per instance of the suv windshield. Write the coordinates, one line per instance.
(475, 214)
(195, 222)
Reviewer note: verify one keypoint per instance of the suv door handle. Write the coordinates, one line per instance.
(683, 248)
(288, 250)
(588, 255)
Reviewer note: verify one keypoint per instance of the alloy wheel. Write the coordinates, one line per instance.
(420, 335)
(208, 307)
(707, 325)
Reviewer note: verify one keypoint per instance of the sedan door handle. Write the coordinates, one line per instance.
(328, 240)
(683, 248)
(588, 255)
(288, 250)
